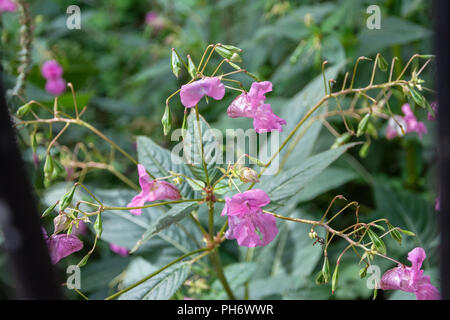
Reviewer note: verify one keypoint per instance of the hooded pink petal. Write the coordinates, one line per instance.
(62, 245)
(258, 90)
(412, 125)
(55, 86)
(118, 249)
(411, 279)
(152, 190)
(7, 6)
(246, 221)
(191, 93)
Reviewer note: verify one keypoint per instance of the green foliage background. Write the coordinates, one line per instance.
(120, 69)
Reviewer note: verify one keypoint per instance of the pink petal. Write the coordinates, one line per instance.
(393, 279)
(258, 90)
(7, 6)
(191, 93)
(163, 190)
(118, 249)
(426, 291)
(240, 107)
(51, 70)
(417, 256)
(62, 245)
(55, 86)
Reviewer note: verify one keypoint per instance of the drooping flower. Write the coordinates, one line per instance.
(152, 190)
(411, 279)
(246, 221)
(7, 6)
(191, 93)
(434, 106)
(52, 72)
(251, 105)
(408, 123)
(118, 249)
(62, 245)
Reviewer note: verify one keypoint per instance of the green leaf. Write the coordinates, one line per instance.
(175, 214)
(162, 286)
(395, 234)
(417, 97)
(192, 152)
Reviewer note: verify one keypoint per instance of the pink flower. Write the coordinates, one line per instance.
(62, 245)
(411, 279)
(246, 221)
(191, 93)
(118, 249)
(408, 122)
(434, 106)
(52, 72)
(7, 6)
(152, 190)
(251, 105)
(51, 69)
(55, 86)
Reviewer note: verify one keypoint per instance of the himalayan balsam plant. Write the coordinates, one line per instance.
(205, 204)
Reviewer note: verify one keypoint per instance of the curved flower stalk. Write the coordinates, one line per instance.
(247, 220)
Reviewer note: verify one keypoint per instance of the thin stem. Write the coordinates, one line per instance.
(215, 259)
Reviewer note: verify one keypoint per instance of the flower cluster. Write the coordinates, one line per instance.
(408, 124)
(248, 105)
(411, 279)
(7, 6)
(246, 220)
(62, 245)
(52, 72)
(152, 190)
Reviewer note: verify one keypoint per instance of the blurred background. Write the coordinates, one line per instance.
(119, 64)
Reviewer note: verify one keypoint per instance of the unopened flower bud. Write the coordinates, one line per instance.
(312, 235)
(248, 175)
(61, 223)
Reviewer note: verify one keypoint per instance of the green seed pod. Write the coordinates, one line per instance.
(191, 67)
(343, 138)
(362, 125)
(326, 270)
(334, 281)
(167, 120)
(48, 167)
(23, 110)
(98, 226)
(49, 210)
(66, 200)
(176, 63)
